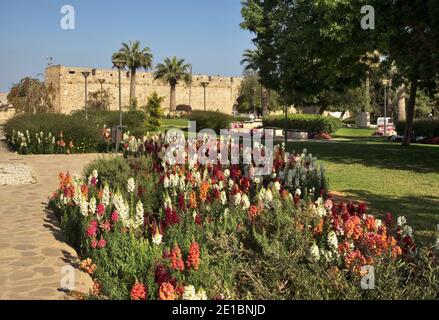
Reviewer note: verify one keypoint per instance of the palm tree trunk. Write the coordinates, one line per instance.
(133, 87)
(401, 115)
(265, 96)
(366, 106)
(410, 113)
(173, 100)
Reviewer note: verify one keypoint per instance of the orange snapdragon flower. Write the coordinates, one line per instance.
(167, 291)
(193, 200)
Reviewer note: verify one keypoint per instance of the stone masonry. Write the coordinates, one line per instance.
(221, 93)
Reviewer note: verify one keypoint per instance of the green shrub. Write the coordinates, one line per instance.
(426, 128)
(211, 120)
(305, 122)
(51, 133)
(59, 133)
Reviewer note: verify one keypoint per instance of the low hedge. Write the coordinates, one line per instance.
(47, 133)
(211, 120)
(305, 122)
(426, 128)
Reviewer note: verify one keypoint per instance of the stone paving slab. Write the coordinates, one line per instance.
(33, 250)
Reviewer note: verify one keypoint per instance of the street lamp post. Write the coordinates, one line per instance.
(86, 74)
(385, 83)
(120, 65)
(102, 81)
(204, 84)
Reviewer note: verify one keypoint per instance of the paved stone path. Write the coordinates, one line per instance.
(33, 250)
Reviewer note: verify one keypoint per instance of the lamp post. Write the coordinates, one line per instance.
(86, 74)
(204, 84)
(120, 65)
(102, 81)
(385, 83)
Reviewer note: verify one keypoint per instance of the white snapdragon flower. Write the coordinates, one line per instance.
(378, 223)
(83, 206)
(227, 173)
(139, 217)
(237, 199)
(245, 202)
(122, 208)
(298, 192)
(315, 252)
(190, 294)
(401, 221)
(92, 206)
(332, 241)
(131, 185)
(223, 198)
(277, 186)
(268, 196)
(408, 231)
(106, 196)
(166, 182)
(157, 239)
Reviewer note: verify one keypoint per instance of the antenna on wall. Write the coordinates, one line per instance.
(49, 61)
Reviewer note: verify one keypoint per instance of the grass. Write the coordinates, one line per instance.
(387, 176)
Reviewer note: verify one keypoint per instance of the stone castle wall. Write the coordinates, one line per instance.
(221, 94)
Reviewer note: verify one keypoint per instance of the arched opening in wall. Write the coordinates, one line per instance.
(72, 72)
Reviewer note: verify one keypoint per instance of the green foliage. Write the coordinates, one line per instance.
(153, 109)
(85, 135)
(251, 93)
(211, 120)
(426, 128)
(31, 96)
(305, 122)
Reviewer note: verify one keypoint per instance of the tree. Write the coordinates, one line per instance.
(31, 96)
(250, 61)
(135, 58)
(153, 109)
(99, 100)
(172, 71)
(409, 35)
(251, 93)
(304, 54)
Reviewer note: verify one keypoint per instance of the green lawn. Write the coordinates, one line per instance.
(389, 177)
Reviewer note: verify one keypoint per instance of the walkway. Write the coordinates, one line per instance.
(32, 247)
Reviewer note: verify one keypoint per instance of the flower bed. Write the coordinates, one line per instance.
(219, 232)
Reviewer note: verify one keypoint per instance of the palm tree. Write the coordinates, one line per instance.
(135, 58)
(172, 71)
(250, 61)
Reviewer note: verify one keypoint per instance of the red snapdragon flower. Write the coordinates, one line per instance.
(139, 292)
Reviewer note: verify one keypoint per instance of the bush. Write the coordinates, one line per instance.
(427, 128)
(59, 133)
(305, 122)
(184, 108)
(211, 120)
(47, 133)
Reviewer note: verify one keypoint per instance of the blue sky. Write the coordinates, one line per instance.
(204, 32)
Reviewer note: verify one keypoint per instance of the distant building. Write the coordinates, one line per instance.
(221, 93)
(3, 98)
